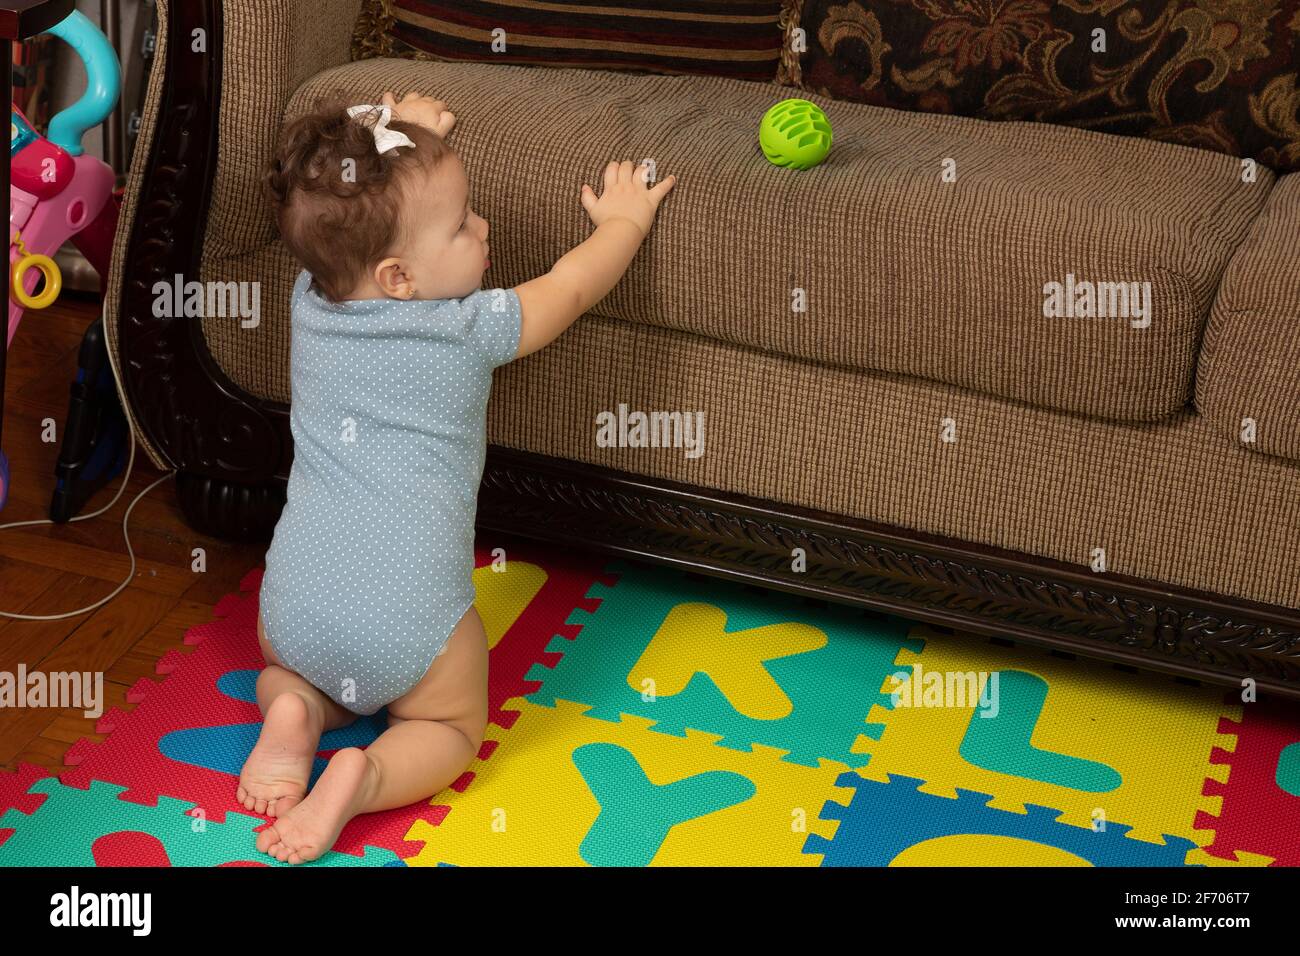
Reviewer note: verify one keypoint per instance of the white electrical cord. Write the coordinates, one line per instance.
(125, 518)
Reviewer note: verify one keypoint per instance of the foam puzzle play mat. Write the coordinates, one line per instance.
(644, 716)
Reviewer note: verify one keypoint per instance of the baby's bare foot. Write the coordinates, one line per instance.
(275, 775)
(311, 827)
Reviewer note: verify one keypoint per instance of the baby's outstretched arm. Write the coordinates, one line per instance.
(583, 276)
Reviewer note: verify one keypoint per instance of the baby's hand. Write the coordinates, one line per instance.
(425, 110)
(627, 195)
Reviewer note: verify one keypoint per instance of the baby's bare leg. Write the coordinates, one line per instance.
(415, 759)
(275, 681)
(434, 732)
(275, 775)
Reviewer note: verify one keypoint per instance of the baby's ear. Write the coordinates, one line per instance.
(393, 279)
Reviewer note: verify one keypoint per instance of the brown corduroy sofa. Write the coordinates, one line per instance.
(892, 416)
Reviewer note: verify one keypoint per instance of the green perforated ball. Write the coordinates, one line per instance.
(795, 133)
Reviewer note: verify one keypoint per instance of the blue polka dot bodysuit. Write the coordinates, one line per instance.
(370, 567)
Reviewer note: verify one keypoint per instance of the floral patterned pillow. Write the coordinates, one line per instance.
(1223, 76)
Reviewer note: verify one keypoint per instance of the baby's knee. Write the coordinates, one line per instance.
(473, 729)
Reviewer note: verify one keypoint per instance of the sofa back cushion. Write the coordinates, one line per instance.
(1248, 379)
(1012, 276)
(1221, 76)
(736, 38)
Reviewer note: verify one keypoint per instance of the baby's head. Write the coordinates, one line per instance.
(371, 225)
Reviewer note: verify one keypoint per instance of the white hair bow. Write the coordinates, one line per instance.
(385, 138)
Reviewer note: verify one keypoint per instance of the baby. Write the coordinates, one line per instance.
(368, 600)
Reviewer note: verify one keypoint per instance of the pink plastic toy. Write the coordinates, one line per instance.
(54, 197)
(57, 192)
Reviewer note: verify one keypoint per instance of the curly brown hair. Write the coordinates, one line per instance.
(338, 201)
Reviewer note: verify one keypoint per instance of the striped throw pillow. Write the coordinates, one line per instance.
(735, 38)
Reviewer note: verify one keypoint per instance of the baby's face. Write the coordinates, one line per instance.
(446, 252)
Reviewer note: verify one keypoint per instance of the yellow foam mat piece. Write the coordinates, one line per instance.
(503, 595)
(694, 639)
(528, 804)
(1155, 733)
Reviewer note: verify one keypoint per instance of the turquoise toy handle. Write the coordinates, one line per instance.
(104, 82)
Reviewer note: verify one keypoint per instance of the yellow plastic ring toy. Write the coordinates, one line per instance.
(53, 281)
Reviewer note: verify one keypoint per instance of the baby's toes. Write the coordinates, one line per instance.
(267, 838)
(247, 799)
(279, 806)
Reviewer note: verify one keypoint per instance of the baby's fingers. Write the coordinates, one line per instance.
(662, 188)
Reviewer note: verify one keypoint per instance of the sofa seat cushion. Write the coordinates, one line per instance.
(1248, 380)
(1172, 501)
(870, 261)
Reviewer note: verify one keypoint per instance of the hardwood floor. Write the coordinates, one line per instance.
(50, 569)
